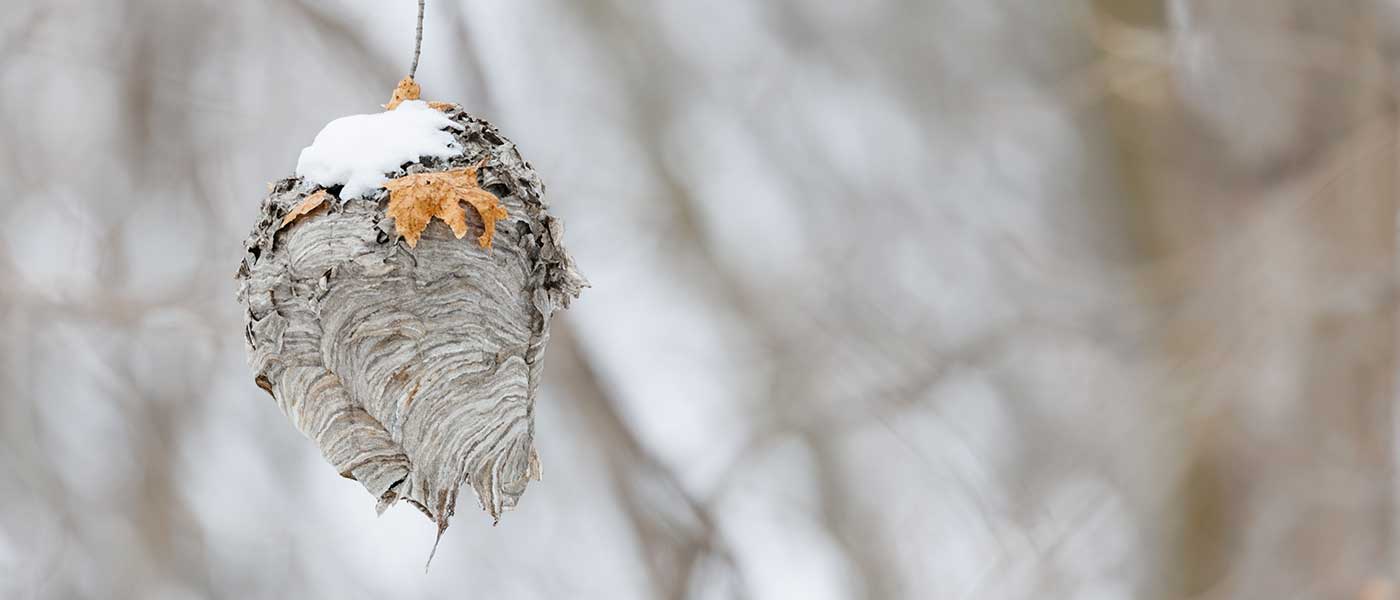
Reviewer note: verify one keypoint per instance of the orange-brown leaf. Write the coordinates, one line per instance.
(307, 205)
(406, 90)
(414, 200)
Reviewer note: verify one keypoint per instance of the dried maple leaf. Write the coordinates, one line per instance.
(415, 199)
(307, 205)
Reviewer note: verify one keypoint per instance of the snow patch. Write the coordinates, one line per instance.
(357, 151)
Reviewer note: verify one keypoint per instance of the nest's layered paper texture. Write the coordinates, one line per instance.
(414, 370)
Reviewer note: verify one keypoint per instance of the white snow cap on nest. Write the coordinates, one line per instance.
(356, 151)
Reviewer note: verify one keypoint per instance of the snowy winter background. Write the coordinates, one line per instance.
(891, 299)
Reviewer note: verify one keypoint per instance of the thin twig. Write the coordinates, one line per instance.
(417, 40)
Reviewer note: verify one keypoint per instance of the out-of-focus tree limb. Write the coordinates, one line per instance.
(675, 531)
(1278, 292)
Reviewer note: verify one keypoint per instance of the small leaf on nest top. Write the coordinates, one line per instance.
(415, 199)
(408, 89)
(307, 205)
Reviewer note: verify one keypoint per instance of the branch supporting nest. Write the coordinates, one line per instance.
(417, 40)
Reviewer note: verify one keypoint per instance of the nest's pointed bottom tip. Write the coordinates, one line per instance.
(442, 527)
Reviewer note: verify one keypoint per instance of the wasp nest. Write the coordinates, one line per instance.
(413, 367)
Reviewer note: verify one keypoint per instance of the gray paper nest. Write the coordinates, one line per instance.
(414, 370)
